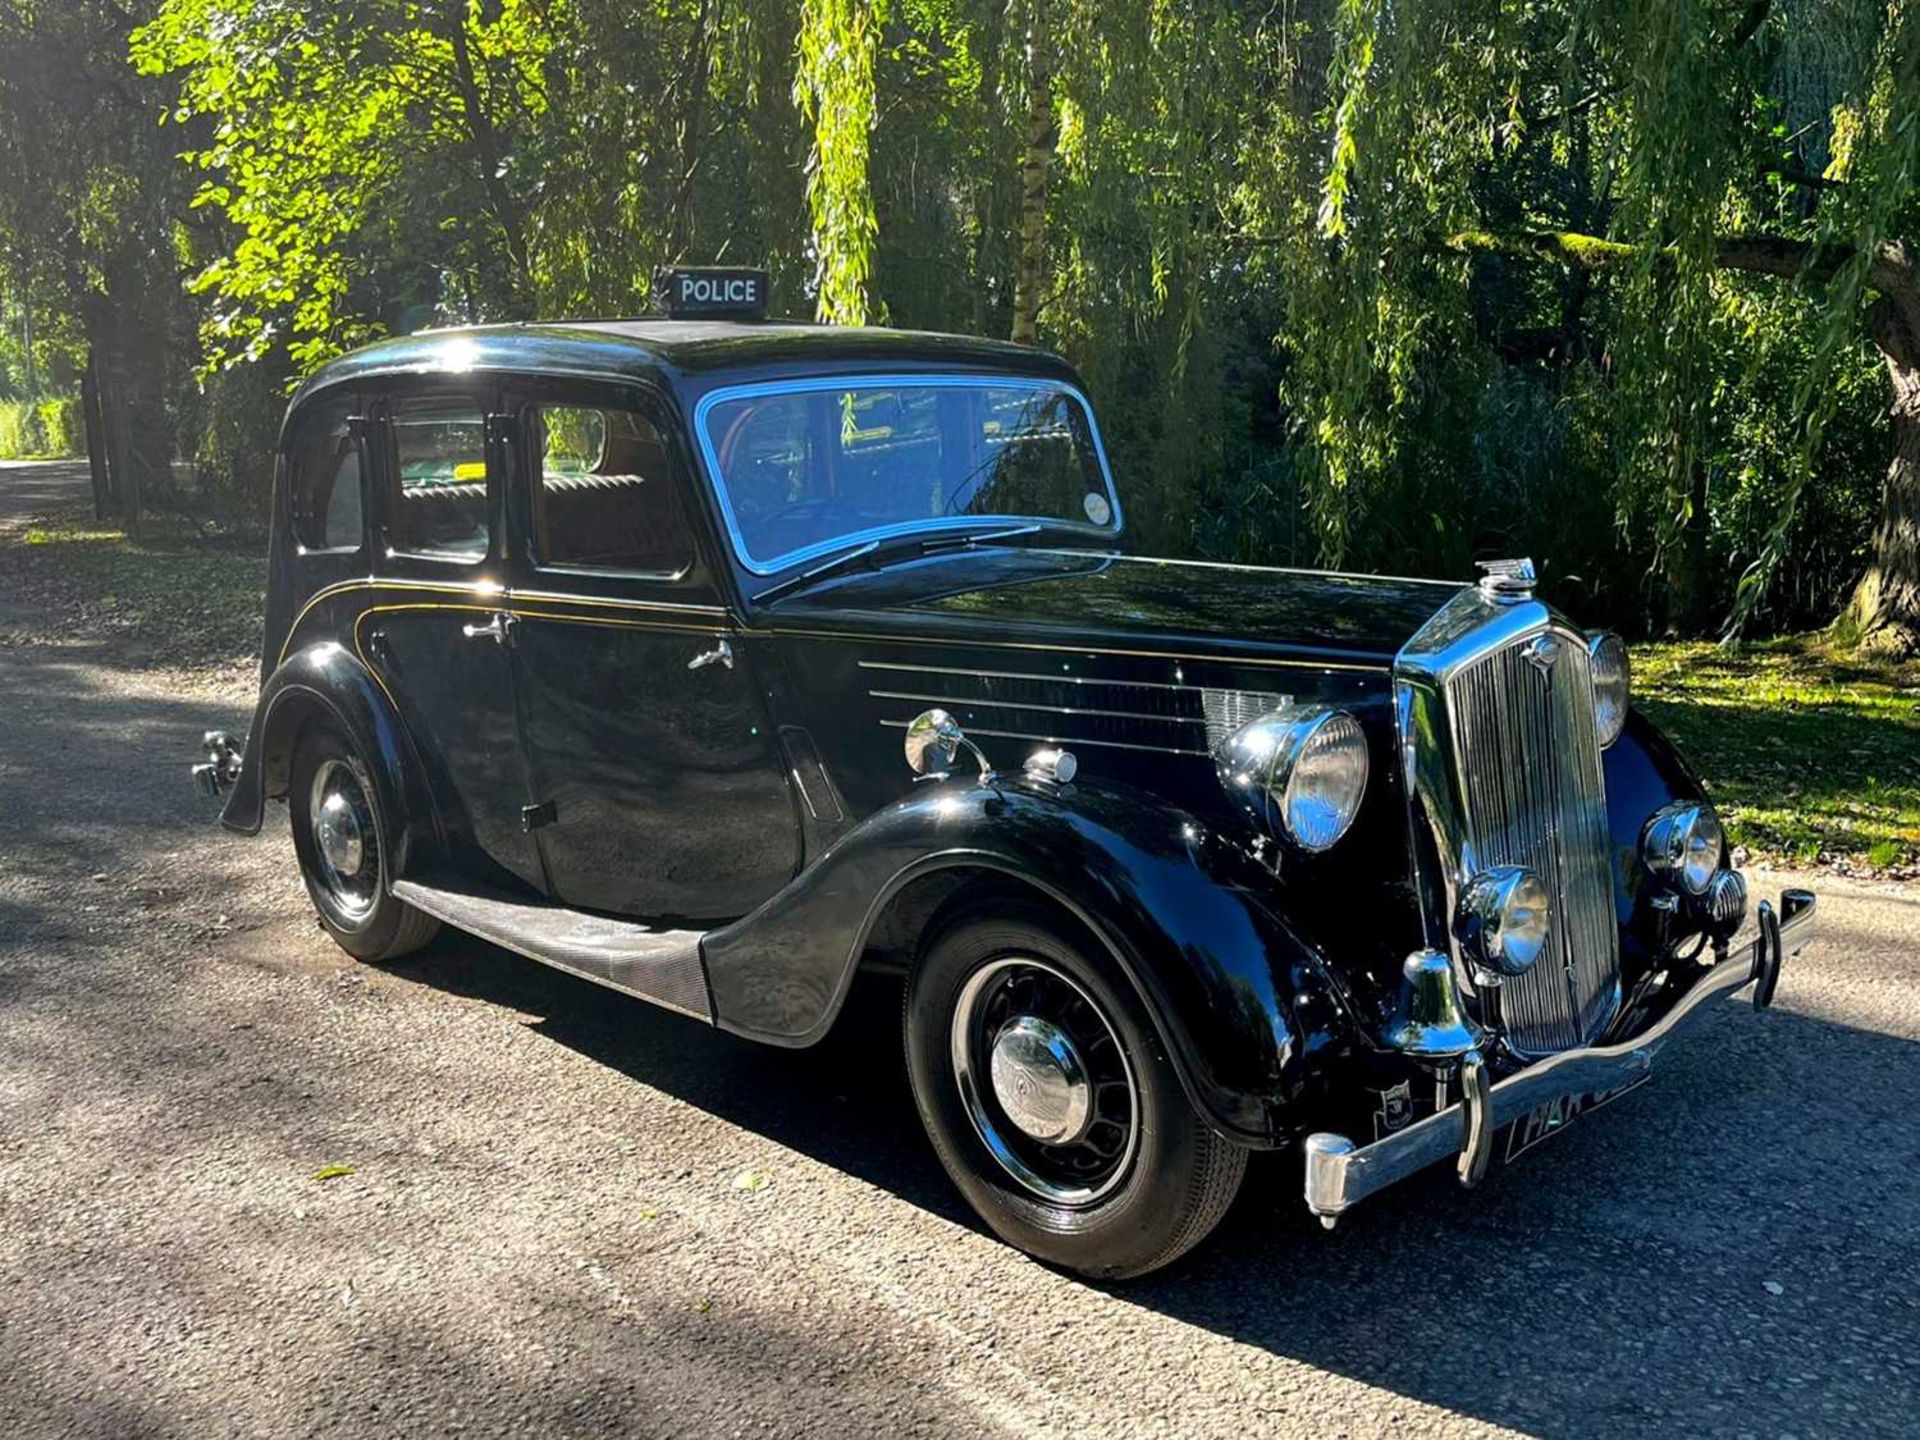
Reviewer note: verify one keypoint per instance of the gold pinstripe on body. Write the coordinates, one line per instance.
(680, 617)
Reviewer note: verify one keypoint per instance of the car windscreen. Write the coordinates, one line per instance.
(807, 467)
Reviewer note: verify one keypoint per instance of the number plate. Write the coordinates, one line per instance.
(1550, 1118)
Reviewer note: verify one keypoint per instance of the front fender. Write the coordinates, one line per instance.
(1643, 772)
(1242, 1002)
(326, 679)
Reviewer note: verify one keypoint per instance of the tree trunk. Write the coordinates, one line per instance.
(1884, 614)
(1030, 271)
(96, 436)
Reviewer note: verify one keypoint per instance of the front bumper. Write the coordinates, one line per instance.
(1341, 1174)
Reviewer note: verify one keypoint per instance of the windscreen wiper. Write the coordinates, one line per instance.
(971, 538)
(845, 560)
(862, 555)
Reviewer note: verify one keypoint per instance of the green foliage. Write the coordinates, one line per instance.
(1386, 286)
(351, 144)
(63, 423)
(44, 430)
(1610, 147)
(230, 423)
(834, 90)
(22, 435)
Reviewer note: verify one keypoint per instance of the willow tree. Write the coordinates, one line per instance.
(834, 88)
(383, 164)
(1041, 136)
(1660, 142)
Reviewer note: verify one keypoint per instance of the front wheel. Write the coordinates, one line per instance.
(340, 838)
(1052, 1103)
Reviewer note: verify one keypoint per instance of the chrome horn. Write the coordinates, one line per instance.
(933, 743)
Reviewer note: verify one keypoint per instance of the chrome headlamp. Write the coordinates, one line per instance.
(1612, 684)
(1682, 844)
(1504, 918)
(1300, 772)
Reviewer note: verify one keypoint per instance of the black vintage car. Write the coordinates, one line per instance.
(716, 661)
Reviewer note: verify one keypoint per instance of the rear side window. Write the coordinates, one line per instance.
(604, 496)
(328, 470)
(440, 470)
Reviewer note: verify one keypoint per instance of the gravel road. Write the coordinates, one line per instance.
(28, 487)
(568, 1213)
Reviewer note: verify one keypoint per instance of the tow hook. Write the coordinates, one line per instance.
(222, 765)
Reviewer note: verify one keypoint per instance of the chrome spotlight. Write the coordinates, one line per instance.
(1682, 844)
(1505, 916)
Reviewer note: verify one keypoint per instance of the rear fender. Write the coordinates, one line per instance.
(327, 680)
(1239, 998)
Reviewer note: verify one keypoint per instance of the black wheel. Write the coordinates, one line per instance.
(1052, 1104)
(341, 842)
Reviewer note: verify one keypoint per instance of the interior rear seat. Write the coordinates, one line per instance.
(623, 514)
(444, 517)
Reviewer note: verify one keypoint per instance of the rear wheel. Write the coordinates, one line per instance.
(340, 838)
(1052, 1103)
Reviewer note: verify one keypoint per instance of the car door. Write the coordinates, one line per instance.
(658, 783)
(439, 630)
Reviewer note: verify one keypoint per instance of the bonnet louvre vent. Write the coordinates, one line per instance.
(1158, 717)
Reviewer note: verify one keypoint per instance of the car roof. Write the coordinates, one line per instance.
(669, 349)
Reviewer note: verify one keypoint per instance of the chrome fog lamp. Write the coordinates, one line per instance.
(1612, 684)
(1505, 916)
(1300, 771)
(1682, 844)
(1724, 905)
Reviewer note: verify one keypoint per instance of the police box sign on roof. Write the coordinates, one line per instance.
(714, 290)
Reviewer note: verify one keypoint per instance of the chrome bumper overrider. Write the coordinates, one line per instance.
(1341, 1174)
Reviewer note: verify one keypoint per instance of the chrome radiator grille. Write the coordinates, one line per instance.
(1528, 772)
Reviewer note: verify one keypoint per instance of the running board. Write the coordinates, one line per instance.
(661, 966)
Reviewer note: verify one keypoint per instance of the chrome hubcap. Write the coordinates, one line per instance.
(337, 829)
(1039, 1081)
(1044, 1080)
(345, 842)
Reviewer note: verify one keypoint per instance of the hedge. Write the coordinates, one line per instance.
(48, 430)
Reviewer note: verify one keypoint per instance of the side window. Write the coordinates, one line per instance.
(440, 470)
(603, 495)
(327, 470)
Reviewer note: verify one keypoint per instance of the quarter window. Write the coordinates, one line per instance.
(440, 461)
(327, 475)
(604, 497)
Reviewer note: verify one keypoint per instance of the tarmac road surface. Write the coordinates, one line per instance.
(571, 1214)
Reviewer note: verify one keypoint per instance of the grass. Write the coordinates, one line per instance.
(1811, 755)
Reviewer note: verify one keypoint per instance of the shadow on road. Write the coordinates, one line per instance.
(1615, 1280)
(33, 487)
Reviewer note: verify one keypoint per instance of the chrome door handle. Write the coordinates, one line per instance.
(722, 652)
(495, 629)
